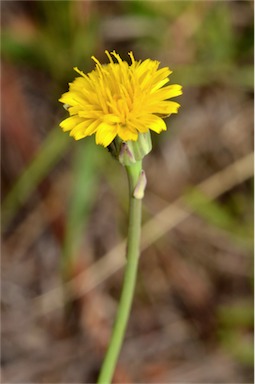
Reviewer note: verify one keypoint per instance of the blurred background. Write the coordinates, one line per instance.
(64, 203)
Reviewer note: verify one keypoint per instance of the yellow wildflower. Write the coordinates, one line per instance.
(118, 99)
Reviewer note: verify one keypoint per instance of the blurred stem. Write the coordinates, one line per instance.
(123, 312)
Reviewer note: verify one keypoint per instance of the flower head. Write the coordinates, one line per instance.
(119, 100)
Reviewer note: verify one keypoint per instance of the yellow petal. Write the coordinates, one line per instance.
(138, 125)
(160, 78)
(168, 92)
(111, 118)
(84, 129)
(126, 133)
(159, 85)
(165, 108)
(155, 123)
(69, 123)
(105, 134)
(74, 110)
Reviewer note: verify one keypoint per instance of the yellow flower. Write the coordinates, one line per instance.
(118, 99)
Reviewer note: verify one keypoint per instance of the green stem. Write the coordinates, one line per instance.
(133, 241)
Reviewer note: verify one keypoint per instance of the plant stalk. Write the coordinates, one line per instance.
(133, 245)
